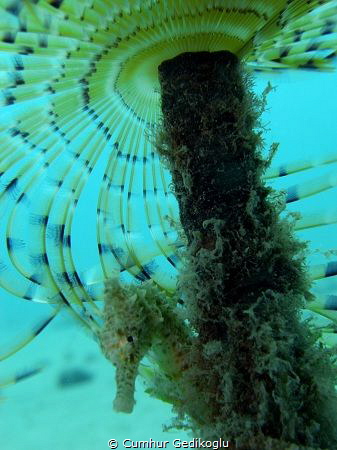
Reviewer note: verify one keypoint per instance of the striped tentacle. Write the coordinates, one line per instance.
(161, 211)
(282, 170)
(309, 188)
(124, 238)
(32, 334)
(322, 216)
(145, 241)
(19, 376)
(53, 233)
(324, 277)
(28, 172)
(303, 35)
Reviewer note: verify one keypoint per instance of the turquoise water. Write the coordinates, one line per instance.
(42, 412)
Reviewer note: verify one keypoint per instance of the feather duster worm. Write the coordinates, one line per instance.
(79, 91)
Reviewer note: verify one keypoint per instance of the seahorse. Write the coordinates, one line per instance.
(139, 320)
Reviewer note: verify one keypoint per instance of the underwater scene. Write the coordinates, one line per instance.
(94, 326)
